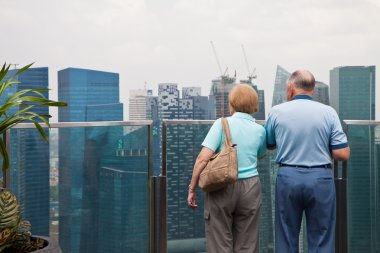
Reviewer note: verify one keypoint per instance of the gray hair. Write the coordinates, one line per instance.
(302, 79)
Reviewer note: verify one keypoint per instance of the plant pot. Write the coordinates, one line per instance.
(51, 246)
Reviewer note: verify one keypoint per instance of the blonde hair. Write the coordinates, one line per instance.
(243, 98)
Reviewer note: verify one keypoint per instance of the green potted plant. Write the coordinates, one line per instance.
(15, 235)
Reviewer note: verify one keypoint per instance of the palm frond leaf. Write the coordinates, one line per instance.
(19, 108)
(4, 154)
(24, 68)
(22, 92)
(4, 70)
(7, 84)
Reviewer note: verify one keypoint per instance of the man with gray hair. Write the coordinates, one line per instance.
(307, 135)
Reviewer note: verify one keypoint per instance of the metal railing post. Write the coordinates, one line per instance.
(159, 202)
(158, 215)
(340, 179)
(341, 245)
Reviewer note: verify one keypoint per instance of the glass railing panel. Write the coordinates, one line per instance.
(185, 227)
(267, 169)
(29, 170)
(363, 196)
(93, 181)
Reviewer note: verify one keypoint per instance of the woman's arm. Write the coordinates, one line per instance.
(200, 163)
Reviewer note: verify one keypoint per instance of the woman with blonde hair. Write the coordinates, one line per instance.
(232, 213)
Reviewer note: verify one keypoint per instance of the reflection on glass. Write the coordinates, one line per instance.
(363, 189)
(99, 200)
(30, 177)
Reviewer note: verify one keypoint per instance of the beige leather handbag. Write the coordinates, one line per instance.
(222, 169)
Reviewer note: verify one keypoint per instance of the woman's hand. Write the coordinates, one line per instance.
(200, 163)
(191, 199)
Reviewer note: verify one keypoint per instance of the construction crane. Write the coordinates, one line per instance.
(251, 75)
(14, 64)
(222, 77)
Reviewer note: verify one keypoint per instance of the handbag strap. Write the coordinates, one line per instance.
(226, 130)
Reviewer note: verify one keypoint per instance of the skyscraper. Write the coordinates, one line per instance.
(220, 89)
(352, 92)
(168, 101)
(91, 96)
(260, 115)
(321, 93)
(30, 157)
(138, 104)
(352, 95)
(200, 109)
(188, 92)
(279, 92)
(152, 108)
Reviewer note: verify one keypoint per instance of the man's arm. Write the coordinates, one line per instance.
(338, 140)
(270, 133)
(342, 154)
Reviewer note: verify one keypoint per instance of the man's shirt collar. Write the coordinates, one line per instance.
(302, 96)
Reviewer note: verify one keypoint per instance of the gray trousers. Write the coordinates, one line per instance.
(232, 217)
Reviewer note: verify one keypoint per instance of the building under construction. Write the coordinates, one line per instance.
(220, 89)
(219, 98)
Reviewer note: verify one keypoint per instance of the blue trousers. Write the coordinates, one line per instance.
(311, 191)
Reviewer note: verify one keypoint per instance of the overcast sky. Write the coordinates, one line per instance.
(156, 41)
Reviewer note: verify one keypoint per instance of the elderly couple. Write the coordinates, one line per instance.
(307, 136)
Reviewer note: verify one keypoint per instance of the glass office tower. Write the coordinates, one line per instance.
(352, 94)
(91, 96)
(220, 89)
(321, 93)
(30, 157)
(279, 92)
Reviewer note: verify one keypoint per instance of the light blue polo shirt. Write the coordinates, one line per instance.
(304, 132)
(247, 135)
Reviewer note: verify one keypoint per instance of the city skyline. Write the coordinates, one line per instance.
(124, 97)
(141, 42)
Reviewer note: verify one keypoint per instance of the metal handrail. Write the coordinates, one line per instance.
(362, 122)
(86, 124)
(196, 122)
(262, 122)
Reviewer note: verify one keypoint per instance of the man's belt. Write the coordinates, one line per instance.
(326, 166)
